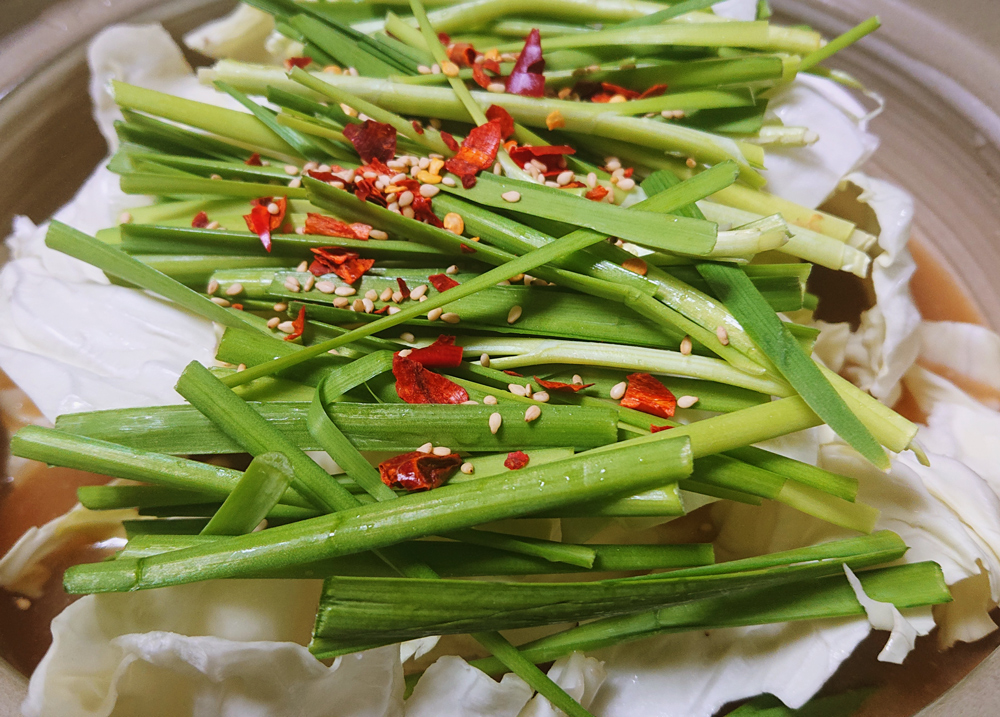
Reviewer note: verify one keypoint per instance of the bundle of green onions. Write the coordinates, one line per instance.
(438, 269)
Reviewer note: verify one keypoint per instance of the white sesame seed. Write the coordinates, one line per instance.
(345, 291)
(371, 294)
(505, 282)
(386, 294)
(484, 360)
(407, 337)
(286, 327)
(301, 231)
(393, 310)
(292, 284)
(686, 401)
(426, 448)
(577, 379)
(424, 162)
(340, 302)
(496, 87)
(220, 301)
(453, 269)
(423, 69)
(612, 163)
(540, 166)
(213, 225)
(378, 234)
(618, 175)
(428, 190)
(435, 69)
(408, 212)
(215, 176)
(527, 390)
(722, 335)
(516, 388)
(423, 299)
(124, 218)
(435, 314)
(618, 390)
(441, 451)
(273, 208)
(490, 400)
(405, 352)
(309, 283)
(234, 289)
(241, 367)
(295, 183)
(326, 287)
(686, 346)
(394, 208)
(405, 199)
(448, 181)
(368, 304)
(532, 413)
(497, 169)
(273, 322)
(564, 178)
(467, 468)
(541, 397)
(303, 266)
(550, 183)
(627, 184)
(514, 314)
(418, 292)
(370, 175)
(450, 317)
(495, 420)
(280, 306)
(213, 286)
(291, 169)
(397, 296)
(591, 180)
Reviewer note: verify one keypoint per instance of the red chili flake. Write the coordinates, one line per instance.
(297, 62)
(478, 151)
(513, 373)
(553, 156)
(332, 227)
(442, 282)
(597, 193)
(200, 220)
(372, 140)
(462, 54)
(422, 211)
(449, 141)
(415, 384)
(403, 288)
(628, 172)
(254, 160)
(298, 325)
(498, 113)
(527, 78)
(618, 90)
(646, 394)
(654, 91)
(346, 264)
(657, 429)
(238, 307)
(417, 127)
(516, 460)
(382, 310)
(443, 353)
(601, 97)
(466, 249)
(574, 185)
(560, 386)
(261, 222)
(418, 471)
(444, 39)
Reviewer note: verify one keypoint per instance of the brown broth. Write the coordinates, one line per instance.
(901, 690)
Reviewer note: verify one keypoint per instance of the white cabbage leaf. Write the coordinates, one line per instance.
(453, 687)
(240, 35)
(229, 648)
(580, 676)
(808, 175)
(903, 633)
(745, 10)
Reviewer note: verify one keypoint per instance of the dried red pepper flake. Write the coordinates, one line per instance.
(254, 160)
(320, 224)
(597, 193)
(498, 113)
(654, 91)
(444, 39)
(553, 157)
(382, 310)
(416, 471)
(560, 386)
(259, 222)
(417, 127)
(628, 172)
(466, 249)
(443, 353)
(574, 185)
(450, 141)
(291, 62)
(403, 288)
(238, 307)
(346, 264)
(516, 460)
(478, 151)
(657, 429)
(527, 79)
(200, 220)
(462, 54)
(513, 373)
(423, 212)
(619, 90)
(647, 394)
(366, 190)
(442, 282)
(415, 384)
(372, 140)
(298, 325)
